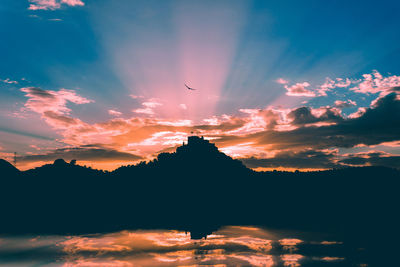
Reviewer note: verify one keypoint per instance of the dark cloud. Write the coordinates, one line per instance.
(377, 125)
(307, 144)
(372, 159)
(303, 115)
(323, 160)
(35, 91)
(23, 133)
(301, 159)
(67, 121)
(84, 153)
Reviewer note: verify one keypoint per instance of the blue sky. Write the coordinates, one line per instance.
(132, 57)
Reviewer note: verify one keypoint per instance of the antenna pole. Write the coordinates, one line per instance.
(15, 159)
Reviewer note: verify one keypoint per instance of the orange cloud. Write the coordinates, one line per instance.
(256, 135)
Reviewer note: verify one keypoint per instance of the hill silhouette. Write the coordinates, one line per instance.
(198, 189)
(7, 168)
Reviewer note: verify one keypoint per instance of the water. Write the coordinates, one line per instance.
(229, 246)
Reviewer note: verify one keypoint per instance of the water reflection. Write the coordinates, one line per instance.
(233, 245)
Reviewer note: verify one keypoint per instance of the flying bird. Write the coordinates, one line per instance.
(189, 87)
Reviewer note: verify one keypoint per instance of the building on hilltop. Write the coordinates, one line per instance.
(194, 139)
(197, 142)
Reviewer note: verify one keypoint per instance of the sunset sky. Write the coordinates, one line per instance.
(280, 84)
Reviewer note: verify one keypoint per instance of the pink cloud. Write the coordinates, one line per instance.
(327, 86)
(52, 106)
(345, 104)
(248, 133)
(9, 81)
(35, 147)
(342, 83)
(114, 112)
(370, 83)
(41, 101)
(299, 89)
(147, 111)
(52, 4)
(73, 2)
(149, 107)
(358, 113)
(151, 103)
(135, 96)
(44, 5)
(282, 81)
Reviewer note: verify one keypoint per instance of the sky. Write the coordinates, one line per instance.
(279, 84)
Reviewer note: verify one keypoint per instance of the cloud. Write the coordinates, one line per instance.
(23, 133)
(330, 84)
(323, 159)
(282, 81)
(147, 111)
(375, 83)
(114, 113)
(52, 4)
(52, 106)
(370, 83)
(372, 158)
(83, 153)
(260, 119)
(44, 5)
(135, 96)
(299, 89)
(378, 124)
(41, 101)
(345, 104)
(152, 103)
(320, 159)
(273, 129)
(149, 107)
(259, 133)
(358, 113)
(73, 2)
(306, 115)
(9, 81)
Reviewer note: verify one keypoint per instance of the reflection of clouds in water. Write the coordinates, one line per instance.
(290, 241)
(24, 243)
(230, 245)
(172, 238)
(257, 260)
(234, 245)
(291, 260)
(331, 243)
(290, 244)
(332, 259)
(98, 262)
(174, 256)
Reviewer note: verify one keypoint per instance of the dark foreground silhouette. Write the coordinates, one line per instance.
(199, 189)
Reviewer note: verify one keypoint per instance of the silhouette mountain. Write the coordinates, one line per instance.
(198, 189)
(192, 160)
(7, 168)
